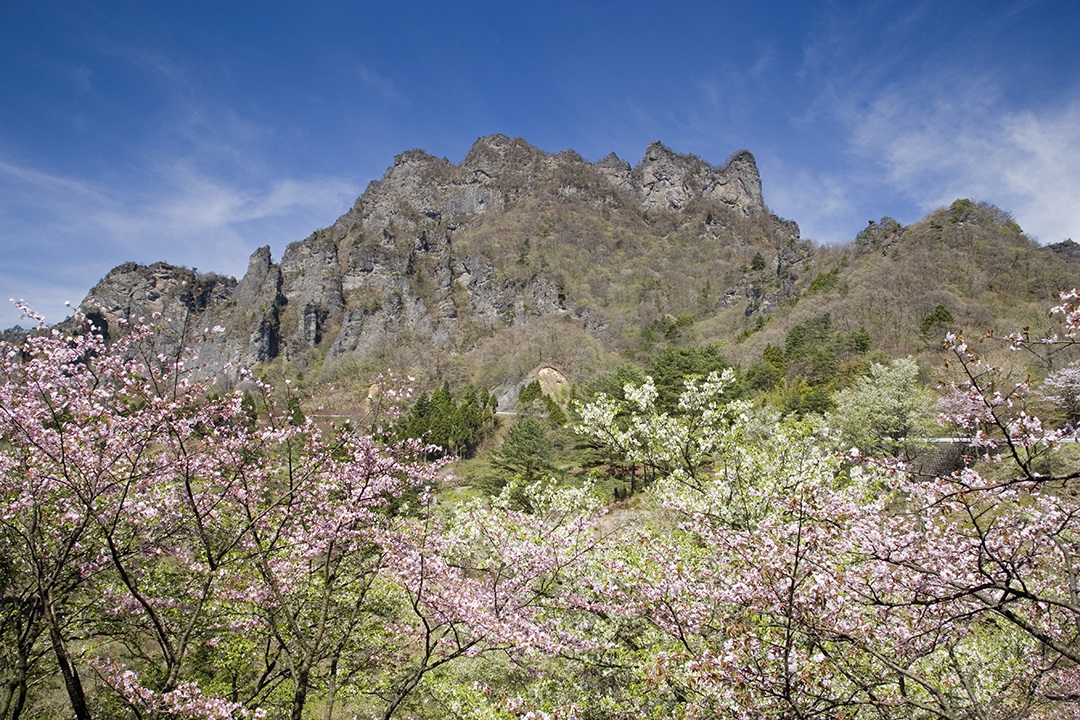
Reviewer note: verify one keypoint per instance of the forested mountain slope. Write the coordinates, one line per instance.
(971, 259)
(481, 271)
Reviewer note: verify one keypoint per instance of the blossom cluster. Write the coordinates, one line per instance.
(255, 564)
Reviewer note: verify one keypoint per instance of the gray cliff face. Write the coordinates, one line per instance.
(251, 317)
(666, 180)
(398, 265)
(169, 297)
(131, 291)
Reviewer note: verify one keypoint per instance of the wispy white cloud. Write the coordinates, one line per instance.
(919, 120)
(763, 62)
(185, 217)
(822, 203)
(148, 59)
(937, 143)
(82, 79)
(200, 184)
(374, 80)
(30, 180)
(1043, 173)
(927, 149)
(189, 205)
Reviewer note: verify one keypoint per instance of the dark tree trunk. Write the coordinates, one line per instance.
(70, 673)
(300, 696)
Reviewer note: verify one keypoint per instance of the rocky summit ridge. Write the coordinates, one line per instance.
(423, 254)
(516, 259)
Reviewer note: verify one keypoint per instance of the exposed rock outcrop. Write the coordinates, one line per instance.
(398, 263)
(1067, 249)
(667, 180)
(257, 301)
(173, 297)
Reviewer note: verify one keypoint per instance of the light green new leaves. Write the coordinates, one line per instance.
(728, 461)
(669, 443)
(882, 412)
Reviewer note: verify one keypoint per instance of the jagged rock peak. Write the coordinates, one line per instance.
(497, 145)
(132, 290)
(498, 169)
(262, 280)
(139, 293)
(658, 150)
(669, 180)
(511, 162)
(613, 161)
(415, 156)
(260, 261)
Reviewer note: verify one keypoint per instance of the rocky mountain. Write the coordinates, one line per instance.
(440, 258)
(514, 258)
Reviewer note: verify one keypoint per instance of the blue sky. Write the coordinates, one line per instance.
(196, 131)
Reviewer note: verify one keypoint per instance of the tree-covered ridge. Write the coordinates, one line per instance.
(966, 266)
(801, 321)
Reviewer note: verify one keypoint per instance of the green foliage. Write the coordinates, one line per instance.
(671, 367)
(774, 355)
(961, 211)
(530, 393)
(533, 401)
(611, 384)
(883, 412)
(555, 414)
(816, 351)
(666, 328)
(764, 375)
(757, 264)
(806, 337)
(857, 341)
(455, 425)
(824, 282)
(296, 413)
(800, 398)
(526, 451)
(816, 359)
(936, 319)
(769, 372)
(251, 409)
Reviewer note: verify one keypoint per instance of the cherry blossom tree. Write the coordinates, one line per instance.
(489, 579)
(1062, 388)
(53, 468)
(739, 557)
(121, 481)
(178, 557)
(166, 553)
(793, 582)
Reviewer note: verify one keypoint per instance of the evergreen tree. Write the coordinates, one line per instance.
(526, 451)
